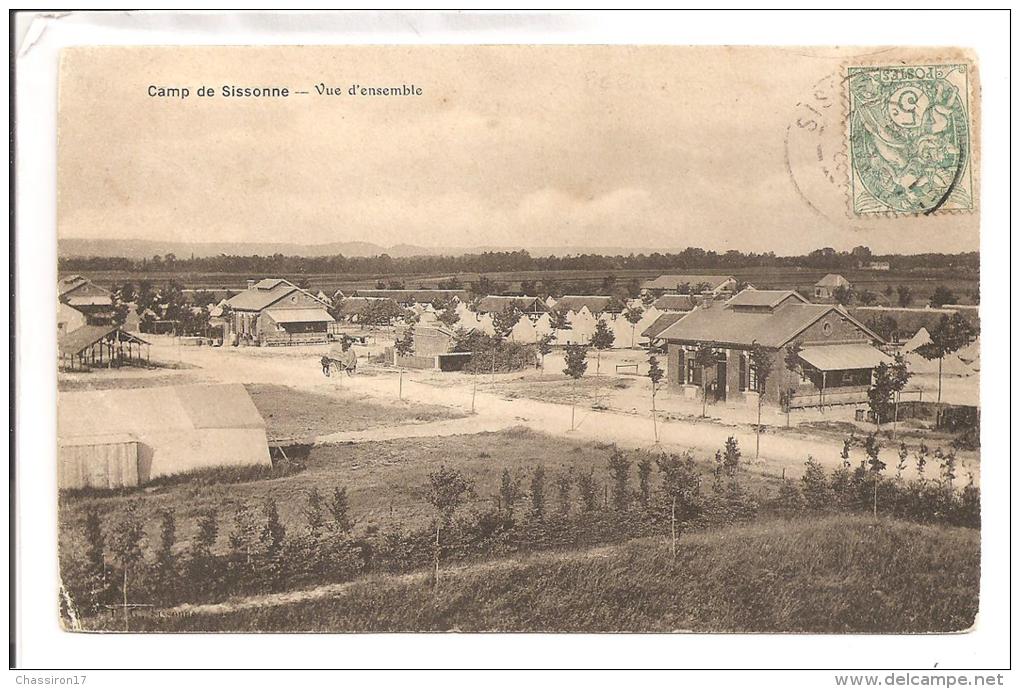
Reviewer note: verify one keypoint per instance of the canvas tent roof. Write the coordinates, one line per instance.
(921, 337)
(178, 428)
(844, 357)
(493, 304)
(306, 315)
(140, 410)
(970, 353)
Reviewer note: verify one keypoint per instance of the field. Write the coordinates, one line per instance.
(836, 574)
(294, 414)
(384, 480)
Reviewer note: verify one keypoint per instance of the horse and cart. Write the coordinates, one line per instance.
(340, 358)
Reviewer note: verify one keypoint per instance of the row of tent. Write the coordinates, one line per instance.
(582, 324)
(965, 362)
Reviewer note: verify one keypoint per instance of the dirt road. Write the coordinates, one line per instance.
(781, 452)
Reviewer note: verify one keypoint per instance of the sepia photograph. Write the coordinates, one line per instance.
(543, 339)
(476, 340)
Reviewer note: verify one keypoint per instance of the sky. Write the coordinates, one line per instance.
(645, 147)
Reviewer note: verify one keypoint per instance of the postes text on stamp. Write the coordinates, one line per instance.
(910, 139)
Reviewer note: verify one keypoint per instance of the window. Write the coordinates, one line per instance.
(693, 372)
(826, 328)
(752, 379)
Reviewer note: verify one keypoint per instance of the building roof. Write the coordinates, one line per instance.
(676, 302)
(842, 357)
(69, 283)
(80, 339)
(772, 326)
(674, 281)
(763, 298)
(420, 296)
(303, 315)
(496, 304)
(595, 303)
(270, 283)
(832, 280)
(73, 283)
(258, 298)
(89, 300)
(661, 323)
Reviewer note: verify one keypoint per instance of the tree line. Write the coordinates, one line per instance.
(514, 261)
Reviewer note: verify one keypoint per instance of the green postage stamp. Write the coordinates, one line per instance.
(910, 139)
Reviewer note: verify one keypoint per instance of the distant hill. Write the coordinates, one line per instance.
(145, 248)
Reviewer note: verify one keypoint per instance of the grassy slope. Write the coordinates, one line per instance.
(835, 574)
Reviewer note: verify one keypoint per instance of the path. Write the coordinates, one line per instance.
(780, 452)
(420, 577)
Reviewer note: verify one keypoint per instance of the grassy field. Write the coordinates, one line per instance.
(549, 387)
(835, 574)
(295, 414)
(384, 480)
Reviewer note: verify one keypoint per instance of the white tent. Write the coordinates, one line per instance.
(484, 324)
(622, 332)
(524, 332)
(582, 327)
(118, 438)
(543, 326)
(970, 355)
(921, 337)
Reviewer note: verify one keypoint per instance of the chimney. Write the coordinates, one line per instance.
(251, 284)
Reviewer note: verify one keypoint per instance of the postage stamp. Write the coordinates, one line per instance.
(910, 139)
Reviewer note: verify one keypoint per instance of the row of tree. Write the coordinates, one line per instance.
(515, 261)
(904, 296)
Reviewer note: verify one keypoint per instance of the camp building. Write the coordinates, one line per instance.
(835, 360)
(92, 301)
(693, 284)
(276, 311)
(827, 286)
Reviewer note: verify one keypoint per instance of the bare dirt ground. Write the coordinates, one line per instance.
(296, 414)
(626, 421)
